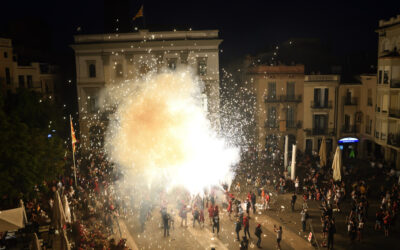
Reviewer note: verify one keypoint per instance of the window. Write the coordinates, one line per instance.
(92, 70)
(308, 146)
(320, 124)
(8, 76)
(386, 77)
(272, 117)
(92, 100)
(321, 96)
(118, 70)
(290, 90)
(5, 54)
(21, 81)
(202, 66)
(271, 90)
(290, 123)
(369, 97)
(368, 125)
(379, 76)
(172, 63)
(29, 81)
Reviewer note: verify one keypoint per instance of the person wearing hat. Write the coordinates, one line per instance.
(258, 233)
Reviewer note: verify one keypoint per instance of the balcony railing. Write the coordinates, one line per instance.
(271, 124)
(349, 129)
(320, 131)
(318, 105)
(350, 101)
(394, 113)
(293, 124)
(394, 139)
(284, 98)
(395, 83)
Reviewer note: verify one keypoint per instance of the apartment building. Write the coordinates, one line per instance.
(279, 106)
(387, 115)
(320, 112)
(6, 66)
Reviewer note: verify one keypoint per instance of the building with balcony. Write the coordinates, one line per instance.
(387, 112)
(6, 66)
(320, 112)
(38, 77)
(279, 105)
(35, 76)
(103, 59)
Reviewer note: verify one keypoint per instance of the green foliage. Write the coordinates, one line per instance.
(27, 156)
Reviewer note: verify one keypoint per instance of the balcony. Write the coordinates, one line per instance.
(395, 83)
(394, 139)
(319, 105)
(273, 124)
(320, 131)
(350, 101)
(291, 98)
(293, 124)
(283, 98)
(352, 129)
(395, 113)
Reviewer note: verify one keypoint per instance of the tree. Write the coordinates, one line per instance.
(28, 155)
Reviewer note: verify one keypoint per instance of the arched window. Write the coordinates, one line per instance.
(118, 70)
(92, 70)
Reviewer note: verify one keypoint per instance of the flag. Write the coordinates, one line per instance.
(73, 137)
(139, 13)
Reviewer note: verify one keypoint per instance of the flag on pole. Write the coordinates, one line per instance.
(139, 13)
(73, 137)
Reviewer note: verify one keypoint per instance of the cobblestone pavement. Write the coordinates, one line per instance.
(203, 238)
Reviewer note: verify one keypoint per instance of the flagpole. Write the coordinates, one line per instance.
(73, 154)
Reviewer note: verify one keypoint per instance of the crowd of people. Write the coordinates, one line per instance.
(90, 206)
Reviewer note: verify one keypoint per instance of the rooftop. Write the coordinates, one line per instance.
(145, 35)
(387, 23)
(279, 69)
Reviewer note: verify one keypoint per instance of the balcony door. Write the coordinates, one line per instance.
(346, 122)
(321, 96)
(290, 123)
(290, 90)
(320, 123)
(271, 90)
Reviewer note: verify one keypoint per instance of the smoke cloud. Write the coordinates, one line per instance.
(160, 128)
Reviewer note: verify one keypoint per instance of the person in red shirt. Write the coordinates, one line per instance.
(230, 208)
(246, 225)
(210, 213)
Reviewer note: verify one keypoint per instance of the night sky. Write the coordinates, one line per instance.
(245, 26)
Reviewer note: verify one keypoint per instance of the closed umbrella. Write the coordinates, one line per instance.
(58, 220)
(337, 165)
(35, 243)
(67, 210)
(322, 153)
(65, 242)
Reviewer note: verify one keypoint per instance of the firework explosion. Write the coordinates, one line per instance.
(160, 128)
